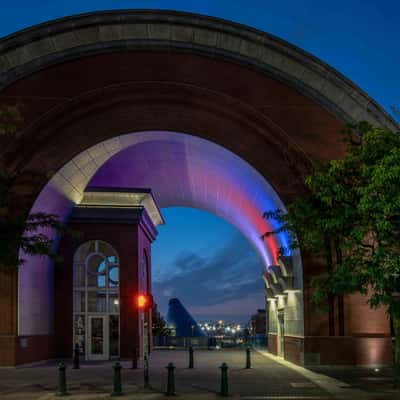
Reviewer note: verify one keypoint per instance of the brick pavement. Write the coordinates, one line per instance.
(266, 380)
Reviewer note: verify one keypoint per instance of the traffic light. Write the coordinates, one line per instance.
(144, 301)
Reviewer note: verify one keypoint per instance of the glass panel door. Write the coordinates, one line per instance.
(96, 301)
(114, 335)
(97, 338)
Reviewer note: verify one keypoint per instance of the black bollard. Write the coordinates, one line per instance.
(117, 384)
(224, 380)
(191, 357)
(62, 383)
(248, 360)
(171, 380)
(76, 364)
(134, 358)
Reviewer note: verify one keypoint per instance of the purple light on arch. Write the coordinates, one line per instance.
(197, 173)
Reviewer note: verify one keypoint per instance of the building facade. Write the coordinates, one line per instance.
(205, 112)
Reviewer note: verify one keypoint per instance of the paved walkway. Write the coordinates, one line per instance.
(267, 379)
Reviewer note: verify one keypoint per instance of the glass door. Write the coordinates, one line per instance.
(96, 301)
(97, 338)
(113, 335)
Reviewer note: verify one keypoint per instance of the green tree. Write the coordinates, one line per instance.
(20, 230)
(352, 206)
(159, 325)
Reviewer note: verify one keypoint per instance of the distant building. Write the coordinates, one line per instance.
(181, 322)
(257, 323)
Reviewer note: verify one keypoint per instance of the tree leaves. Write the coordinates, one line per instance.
(29, 233)
(355, 203)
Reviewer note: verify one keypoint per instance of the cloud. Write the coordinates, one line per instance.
(168, 292)
(218, 282)
(185, 263)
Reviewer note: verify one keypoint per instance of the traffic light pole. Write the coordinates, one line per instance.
(144, 303)
(145, 352)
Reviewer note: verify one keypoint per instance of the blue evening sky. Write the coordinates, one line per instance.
(208, 265)
(198, 257)
(358, 37)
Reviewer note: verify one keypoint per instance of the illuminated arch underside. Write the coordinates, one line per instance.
(182, 170)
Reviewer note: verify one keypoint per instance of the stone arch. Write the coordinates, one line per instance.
(85, 80)
(181, 170)
(78, 36)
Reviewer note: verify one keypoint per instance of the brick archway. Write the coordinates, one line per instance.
(87, 79)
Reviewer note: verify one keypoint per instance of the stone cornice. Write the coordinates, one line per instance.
(69, 38)
(115, 215)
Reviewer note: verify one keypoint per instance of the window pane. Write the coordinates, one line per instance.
(113, 303)
(79, 274)
(105, 249)
(113, 276)
(79, 301)
(96, 301)
(97, 335)
(84, 250)
(96, 280)
(112, 260)
(101, 281)
(114, 335)
(79, 332)
(96, 264)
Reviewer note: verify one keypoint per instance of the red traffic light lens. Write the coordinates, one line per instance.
(142, 301)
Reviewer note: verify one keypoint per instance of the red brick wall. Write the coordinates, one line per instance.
(8, 302)
(294, 348)
(373, 321)
(7, 350)
(170, 92)
(39, 347)
(373, 350)
(329, 350)
(342, 350)
(15, 350)
(315, 322)
(144, 249)
(8, 316)
(272, 343)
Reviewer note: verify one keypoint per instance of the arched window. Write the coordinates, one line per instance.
(96, 292)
